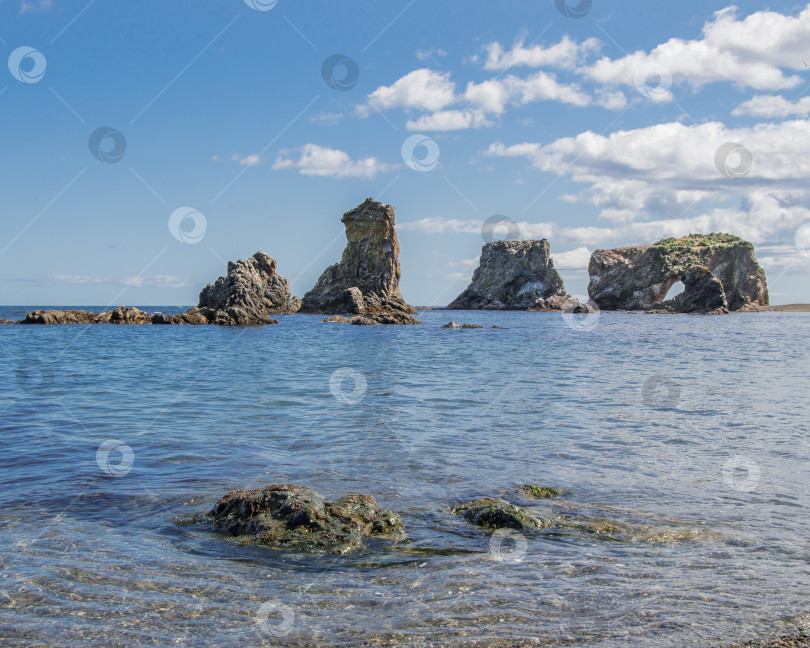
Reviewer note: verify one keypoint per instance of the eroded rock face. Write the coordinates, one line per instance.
(367, 278)
(253, 289)
(297, 518)
(514, 275)
(719, 271)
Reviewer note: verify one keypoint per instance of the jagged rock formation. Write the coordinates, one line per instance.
(297, 518)
(719, 271)
(366, 281)
(247, 296)
(250, 292)
(514, 275)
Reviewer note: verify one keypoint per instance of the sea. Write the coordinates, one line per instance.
(685, 437)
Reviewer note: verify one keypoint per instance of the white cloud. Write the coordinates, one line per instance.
(27, 6)
(565, 54)
(421, 89)
(326, 119)
(464, 263)
(423, 55)
(752, 52)
(157, 281)
(770, 106)
(250, 160)
(573, 259)
(439, 225)
(323, 161)
(447, 120)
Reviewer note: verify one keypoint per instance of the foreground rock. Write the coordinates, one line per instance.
(366, 281)
(496, 513)
(719, 272)
(299, 519)
(514, 275)
(247, 296)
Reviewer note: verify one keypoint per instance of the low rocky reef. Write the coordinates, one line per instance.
(514, 275)
(719, 273)
(296, 518)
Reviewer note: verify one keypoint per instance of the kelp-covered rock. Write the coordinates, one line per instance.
(366, 280)
(639, 278)
(496, 513)
(514, 275)
(297, 518)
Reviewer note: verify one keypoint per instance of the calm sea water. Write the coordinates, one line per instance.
(712, 466)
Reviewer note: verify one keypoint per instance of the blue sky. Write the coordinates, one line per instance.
(592, 131)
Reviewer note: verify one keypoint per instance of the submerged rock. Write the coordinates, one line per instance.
(496, 513)
(366, 280)
(639, 278)
(514, 275)
(336, 319)
(297, 518)
(456, 325)
(540, 492)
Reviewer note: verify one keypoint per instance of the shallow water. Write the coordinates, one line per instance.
(711, 469)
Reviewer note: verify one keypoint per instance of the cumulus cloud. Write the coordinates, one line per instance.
(771, 106)
(749, 52)
(565, 54)
(322, 161)
(573, 259)
(422, 89)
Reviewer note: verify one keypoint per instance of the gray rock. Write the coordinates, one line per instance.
(456, 325)
(297, 518)
(638, 278)
(367, 278)
(336, 319)
(514, 275)
(496, 513)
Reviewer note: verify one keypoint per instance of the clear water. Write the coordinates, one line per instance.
(714, 464)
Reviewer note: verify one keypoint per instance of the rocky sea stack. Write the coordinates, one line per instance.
(366, 281)
(514, 275)
(719, 272)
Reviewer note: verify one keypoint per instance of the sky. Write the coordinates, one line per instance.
(146, 143)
